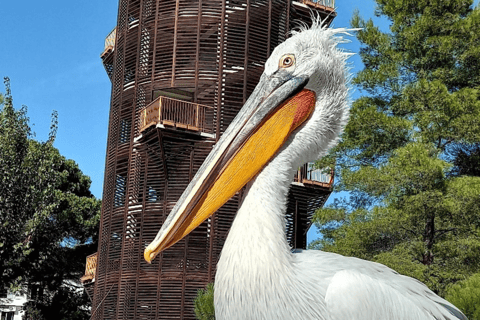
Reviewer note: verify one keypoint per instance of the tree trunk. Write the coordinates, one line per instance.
(428, 238)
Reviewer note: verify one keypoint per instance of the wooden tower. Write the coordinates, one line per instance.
(180, 72)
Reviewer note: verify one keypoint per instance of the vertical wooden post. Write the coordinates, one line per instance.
(197, 51)
(269, 27)
(220, 71)
(160, 110)
(287, 23)
(245, 62)
(175, 35)
(297, 224)
(196, 121)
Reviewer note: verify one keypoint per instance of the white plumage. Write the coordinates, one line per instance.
(257, 276)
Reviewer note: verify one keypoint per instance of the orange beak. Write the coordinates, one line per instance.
(252, 140)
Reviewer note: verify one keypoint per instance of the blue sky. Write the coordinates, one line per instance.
(51, 52)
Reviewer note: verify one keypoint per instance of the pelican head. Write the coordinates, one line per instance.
(298, 107)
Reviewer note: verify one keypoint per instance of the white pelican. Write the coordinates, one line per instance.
(295, 114)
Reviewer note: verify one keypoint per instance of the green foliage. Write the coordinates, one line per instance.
(48, 217)
(466, 295)
(204, 308)
(65, 304)
(409, 154)
(465, 159)
(32, 312)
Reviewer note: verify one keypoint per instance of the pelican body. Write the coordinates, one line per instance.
(295, 114)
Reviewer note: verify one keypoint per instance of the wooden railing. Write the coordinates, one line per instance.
(110, 41)
(177, 113)
(90, 268)
(308, 174)
(322, 3)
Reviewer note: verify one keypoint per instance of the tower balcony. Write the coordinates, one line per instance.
(311, 176)
(173, 113)
(325, 5)
(90, 269)
(107, 54)
(109, 42)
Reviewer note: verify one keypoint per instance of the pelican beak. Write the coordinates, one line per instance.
(278, 105)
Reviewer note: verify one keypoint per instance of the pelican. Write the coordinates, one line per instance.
(294, 115)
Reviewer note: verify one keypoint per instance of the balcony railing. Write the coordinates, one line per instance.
(308, 174)
(90, 268)
(322, 3)
(177, 113)
(110, 41)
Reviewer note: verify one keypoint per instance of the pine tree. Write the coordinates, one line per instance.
(203, 304)
(466, 295)
(409, 154)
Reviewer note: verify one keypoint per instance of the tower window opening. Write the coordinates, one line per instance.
(125, 129)
(120, 191)
(152, 195)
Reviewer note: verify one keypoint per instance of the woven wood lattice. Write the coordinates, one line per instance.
(209, 55)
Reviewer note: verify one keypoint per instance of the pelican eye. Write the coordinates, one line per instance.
(287, 61)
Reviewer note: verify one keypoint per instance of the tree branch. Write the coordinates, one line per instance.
(441, 232)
